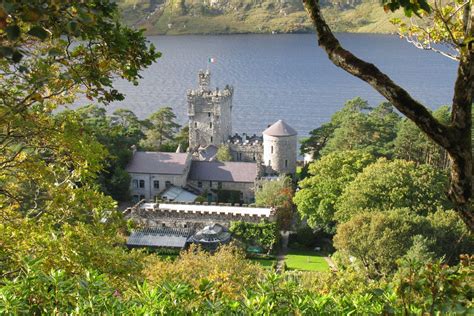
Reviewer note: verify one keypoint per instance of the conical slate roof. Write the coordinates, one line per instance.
(280, 128)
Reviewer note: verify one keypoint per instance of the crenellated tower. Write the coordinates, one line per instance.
(209, 112)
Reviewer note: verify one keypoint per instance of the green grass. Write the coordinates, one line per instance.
(266, 263)
(306, 260)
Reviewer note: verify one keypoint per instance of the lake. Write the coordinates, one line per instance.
(283, 76)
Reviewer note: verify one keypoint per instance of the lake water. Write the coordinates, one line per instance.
(283, 76)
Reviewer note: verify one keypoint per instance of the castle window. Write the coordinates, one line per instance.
(240, 156)
(195, 124)
(210, 184)
(142, 184)
(209, 114)
(219, 185)
(156, 184)
(211, 139)
(168, 184)
(135, 184)
(272, 149)
(254, 157)
(199, 184)
(286, 163)
(210, 125)
(269, 163)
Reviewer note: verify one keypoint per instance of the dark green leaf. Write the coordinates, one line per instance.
(17, 56)
(5, 51)
(13, 32)
(39, 32)
(54, 52)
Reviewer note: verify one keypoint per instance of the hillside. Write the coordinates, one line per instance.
(250, 16)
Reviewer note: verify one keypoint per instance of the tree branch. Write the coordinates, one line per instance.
(369, 73)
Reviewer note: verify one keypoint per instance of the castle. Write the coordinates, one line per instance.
(182, 177)
(210, 126)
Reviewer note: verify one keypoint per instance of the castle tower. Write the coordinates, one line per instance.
(279, 149)
(210, 113)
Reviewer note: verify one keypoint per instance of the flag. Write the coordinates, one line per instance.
(212, 60)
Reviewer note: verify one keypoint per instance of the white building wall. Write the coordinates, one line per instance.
(149, 192)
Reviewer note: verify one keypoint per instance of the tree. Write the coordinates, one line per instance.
(279, 195)
(441, 29)
(223, 153)
(387, 185)
(356, 126)
(377, 240)
(51, 207)
(117, 133)
(455, 137)
(412, 144)
(328, 178)
(263, 234)
(161, 129)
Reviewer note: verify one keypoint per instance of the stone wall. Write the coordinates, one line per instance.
(210, 114)
(279, 154)
(248, 152)
(247, 188)
(166, 218)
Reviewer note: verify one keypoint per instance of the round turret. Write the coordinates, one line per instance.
(279, 148)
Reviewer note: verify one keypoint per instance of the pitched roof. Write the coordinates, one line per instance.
(223, 171)
(178, 194)
(157, 162)
(280, 128)
(159, 237)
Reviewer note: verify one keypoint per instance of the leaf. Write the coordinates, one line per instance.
(17, 56)
(5, 51)
(13, 32)
(54, 52)
(39, 32)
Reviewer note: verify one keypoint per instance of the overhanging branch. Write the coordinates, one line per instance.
(369, 73)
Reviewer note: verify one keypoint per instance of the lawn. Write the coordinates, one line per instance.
(266, 263)
(306, 260)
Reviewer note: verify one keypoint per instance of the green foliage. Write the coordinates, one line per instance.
(386, 185)
(450, 235)
(418, 289)
(328, 178)
(226, 196)
(52, 209)
(161, 130)
(117, 133)
(378, 239)
(356, 126)
(412, 144)
(279, 195)
(223, 153)
(261, 234)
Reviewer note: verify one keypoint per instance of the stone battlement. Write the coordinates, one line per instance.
(245, 139)
(196, 215)
(228, 91)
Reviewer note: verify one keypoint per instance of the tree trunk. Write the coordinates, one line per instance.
(455, 138)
